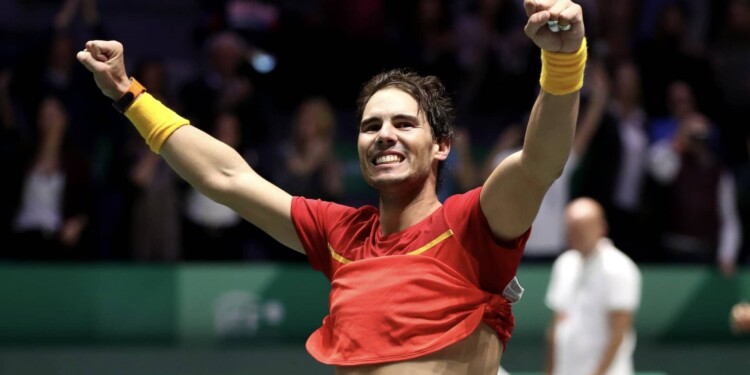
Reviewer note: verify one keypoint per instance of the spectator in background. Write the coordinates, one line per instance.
(307, 165)
(671, 52)
(700, 219)
(594, 293)
(680, 101)
(54, 212)
(47, 67)
(493, 54)
(658, 15)
(11, 151)
(743, 199)
(227, 84)
(427, 39)
(307, 162)
(731, 59)
(613, 169)
(461, 174)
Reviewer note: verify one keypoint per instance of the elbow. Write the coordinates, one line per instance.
(556, 172)
(218, 186)
(544, 174)
(547, 167)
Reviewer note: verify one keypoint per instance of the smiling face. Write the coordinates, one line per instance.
(395, 143)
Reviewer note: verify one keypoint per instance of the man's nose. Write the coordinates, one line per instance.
(386, 134)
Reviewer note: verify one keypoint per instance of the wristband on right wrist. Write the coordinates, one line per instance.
(562, 73)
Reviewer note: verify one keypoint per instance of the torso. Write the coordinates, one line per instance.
(479, 354)
(404, 323)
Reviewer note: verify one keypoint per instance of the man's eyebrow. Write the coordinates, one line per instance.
(400, 117)
(369, 121)
(409, 118)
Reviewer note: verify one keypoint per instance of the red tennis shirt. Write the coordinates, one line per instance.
(407, 294)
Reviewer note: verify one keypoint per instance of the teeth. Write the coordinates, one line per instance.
(387, 159)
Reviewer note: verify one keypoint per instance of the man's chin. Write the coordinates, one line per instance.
(386, 182)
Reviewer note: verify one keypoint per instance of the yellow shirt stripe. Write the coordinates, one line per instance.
(432, 243)
(336, 256)
(421, 250)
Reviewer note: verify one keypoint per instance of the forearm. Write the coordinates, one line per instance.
(552, 123)
(619, 323)
(550, 352)
(549, 136)
(730, 235)
(613, 345)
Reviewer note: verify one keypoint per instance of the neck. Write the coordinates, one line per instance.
(593, 250)
(400, 210)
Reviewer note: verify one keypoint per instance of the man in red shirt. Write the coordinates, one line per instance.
(417, 286)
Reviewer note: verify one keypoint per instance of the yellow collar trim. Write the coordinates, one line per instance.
(336, 256)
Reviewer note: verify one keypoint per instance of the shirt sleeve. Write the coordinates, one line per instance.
(498, 260)
(625, 288)
(554, 298)
(730, 235)
(313, 219)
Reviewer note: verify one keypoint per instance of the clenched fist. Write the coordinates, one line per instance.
(106, 60)
(555, 25)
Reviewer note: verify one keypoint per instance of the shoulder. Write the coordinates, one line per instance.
(316, 203)
(462, 199)
(568, 258)
(331, 211)
(615, 261)
(460, 209)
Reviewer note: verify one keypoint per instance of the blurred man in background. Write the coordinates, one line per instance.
(594, 292)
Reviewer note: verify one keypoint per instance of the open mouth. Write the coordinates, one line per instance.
(388, 159)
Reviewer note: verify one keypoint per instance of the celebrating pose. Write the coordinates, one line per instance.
(417, 286)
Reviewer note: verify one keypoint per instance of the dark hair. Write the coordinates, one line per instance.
(430, 94)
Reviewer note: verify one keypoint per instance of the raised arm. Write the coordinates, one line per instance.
(514, 190)
(209, 165)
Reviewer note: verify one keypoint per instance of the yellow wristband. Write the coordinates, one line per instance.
(154, 121)
(562, 73)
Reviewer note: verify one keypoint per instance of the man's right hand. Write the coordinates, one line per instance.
(740, 318)
(106, 60)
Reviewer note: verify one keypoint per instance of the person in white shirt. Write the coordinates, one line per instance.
(594, 292)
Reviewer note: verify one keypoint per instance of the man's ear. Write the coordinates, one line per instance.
(443, 148)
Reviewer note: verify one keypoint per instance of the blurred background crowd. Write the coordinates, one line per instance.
(662, 144)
